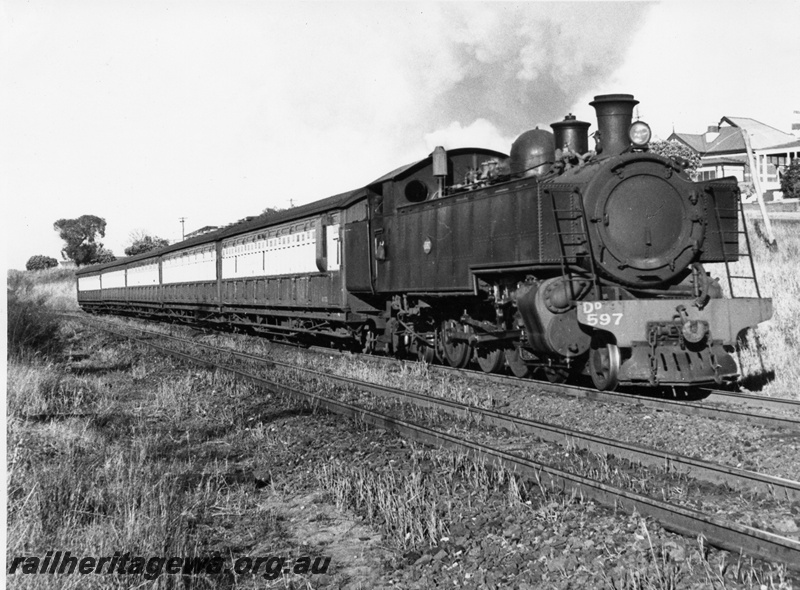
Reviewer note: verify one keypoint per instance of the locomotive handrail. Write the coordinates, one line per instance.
(649, 157)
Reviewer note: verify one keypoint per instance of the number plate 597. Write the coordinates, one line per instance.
(595, 316)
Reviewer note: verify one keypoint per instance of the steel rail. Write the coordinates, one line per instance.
(725, 535)
(678, 406)
(753, 401)
(715, 396)
(714, 473)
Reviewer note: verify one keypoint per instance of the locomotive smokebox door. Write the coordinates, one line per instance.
(645, 227)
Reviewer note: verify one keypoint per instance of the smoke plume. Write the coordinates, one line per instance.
(519, 65)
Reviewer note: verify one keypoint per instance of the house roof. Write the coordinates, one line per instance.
(205, 228)
(729, 140)
(786, 146)
(761, 135)
(696, 141)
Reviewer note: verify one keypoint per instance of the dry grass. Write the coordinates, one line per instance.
(107, 455)
(57, 286)
(778, 273)
(413, 502)
(86, 476)
(41, 388)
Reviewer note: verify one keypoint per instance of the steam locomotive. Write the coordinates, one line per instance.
(556, 260)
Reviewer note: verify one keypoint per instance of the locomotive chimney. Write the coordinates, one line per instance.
(614, 116)
(572, 133)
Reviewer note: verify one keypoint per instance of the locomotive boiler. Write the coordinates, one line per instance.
(555, 260)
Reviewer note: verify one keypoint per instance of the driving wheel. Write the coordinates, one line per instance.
(604, 361)
(490, 360)
(516, 364)
(455, 352)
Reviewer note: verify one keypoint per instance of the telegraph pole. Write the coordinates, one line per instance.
(183, 235)
(756, 178)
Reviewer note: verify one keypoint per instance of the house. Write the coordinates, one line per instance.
(723, 153)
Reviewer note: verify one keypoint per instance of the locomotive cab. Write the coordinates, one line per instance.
(421, 238)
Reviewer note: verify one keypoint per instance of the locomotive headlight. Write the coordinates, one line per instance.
(639, 134)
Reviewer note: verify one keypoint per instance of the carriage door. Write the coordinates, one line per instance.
(379, 248)
(358, 258)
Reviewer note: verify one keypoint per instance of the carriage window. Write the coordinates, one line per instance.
(416, 191)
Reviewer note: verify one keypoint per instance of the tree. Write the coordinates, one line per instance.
(265, 214)
(40, 262)
(790, 181)
(80, 237)
(681, 153)
(103, 255)
(141, 243)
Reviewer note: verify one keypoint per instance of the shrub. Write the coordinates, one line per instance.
(40, 262)
(102, 256)
(55, 275)
(790, 181)
(679, 152)
(32, 326)
(145, 243)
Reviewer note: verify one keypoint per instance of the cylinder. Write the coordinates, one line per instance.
(614, 116)
(532, 153)
(572, 134)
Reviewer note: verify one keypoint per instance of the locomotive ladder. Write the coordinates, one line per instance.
(570, 216)
(733, 238)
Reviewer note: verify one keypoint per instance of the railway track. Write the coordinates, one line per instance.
(710, 406)
(726, 535)
(714, 406)
(719, 404)
(703, 470)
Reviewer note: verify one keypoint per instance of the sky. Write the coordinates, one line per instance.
(145, 112)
